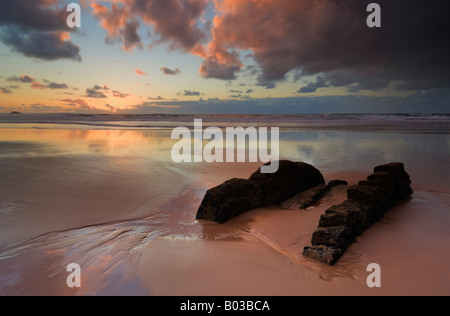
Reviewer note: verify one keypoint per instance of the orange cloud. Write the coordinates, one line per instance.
(310, 37)
(81, 103)
(37, 86)
(140, 72)
(174, 22)
(119, 23)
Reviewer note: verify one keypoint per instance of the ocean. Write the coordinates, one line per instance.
(422, 122)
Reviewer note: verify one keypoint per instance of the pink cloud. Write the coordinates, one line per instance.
(37, 86)
(175, 22)
(139, 72)
(81, 103)
(310, 37)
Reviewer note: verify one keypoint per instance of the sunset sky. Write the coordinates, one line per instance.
(224, 56)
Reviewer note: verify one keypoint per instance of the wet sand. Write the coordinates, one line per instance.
(129, 221)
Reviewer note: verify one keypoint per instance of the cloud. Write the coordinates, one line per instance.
(94, 93)
(42, 108)
(37, 14)
(42, 45)
(119, 94)
(430, 101)
(5, 90)
(303, 38)
(51, 85)
(97, 87)
(120, 25)
(54, 85)
(313, 86)
(140, 72)
(22, 79)
(174, 22)
(35, 84)
(150, 108)
(331, 39)
(110, 107)
(168, 71)
(37, 29)
(78, 102)
(191, 93)
(131, 38)
(220, 63)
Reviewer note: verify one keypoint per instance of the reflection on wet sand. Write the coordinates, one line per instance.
(114, 202)
(47, 142)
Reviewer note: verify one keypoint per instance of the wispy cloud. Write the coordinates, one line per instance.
(81, 104)
(171, 72)
(119, 94)
(190, 93)
(22, 79)
(140, 72)
(50, 85)
(5, 90)
(37, 85)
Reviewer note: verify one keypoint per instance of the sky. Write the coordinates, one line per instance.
(225, 56)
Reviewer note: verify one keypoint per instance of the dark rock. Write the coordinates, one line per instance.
(237, 196)
(337, 236)
(366, 204)
(305, 199)
(231, 199)
(336, 183)
(290, 179)
(324, 254)
(402, 180)
(310, 197)
(349, 214)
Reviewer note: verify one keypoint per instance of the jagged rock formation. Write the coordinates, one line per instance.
(367, 203)
(237, 196)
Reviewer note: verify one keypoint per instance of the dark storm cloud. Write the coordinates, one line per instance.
(331, 38)
(37, 29)
(313, 86)
(40, 15)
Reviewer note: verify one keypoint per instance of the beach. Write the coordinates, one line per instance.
(106, 195)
